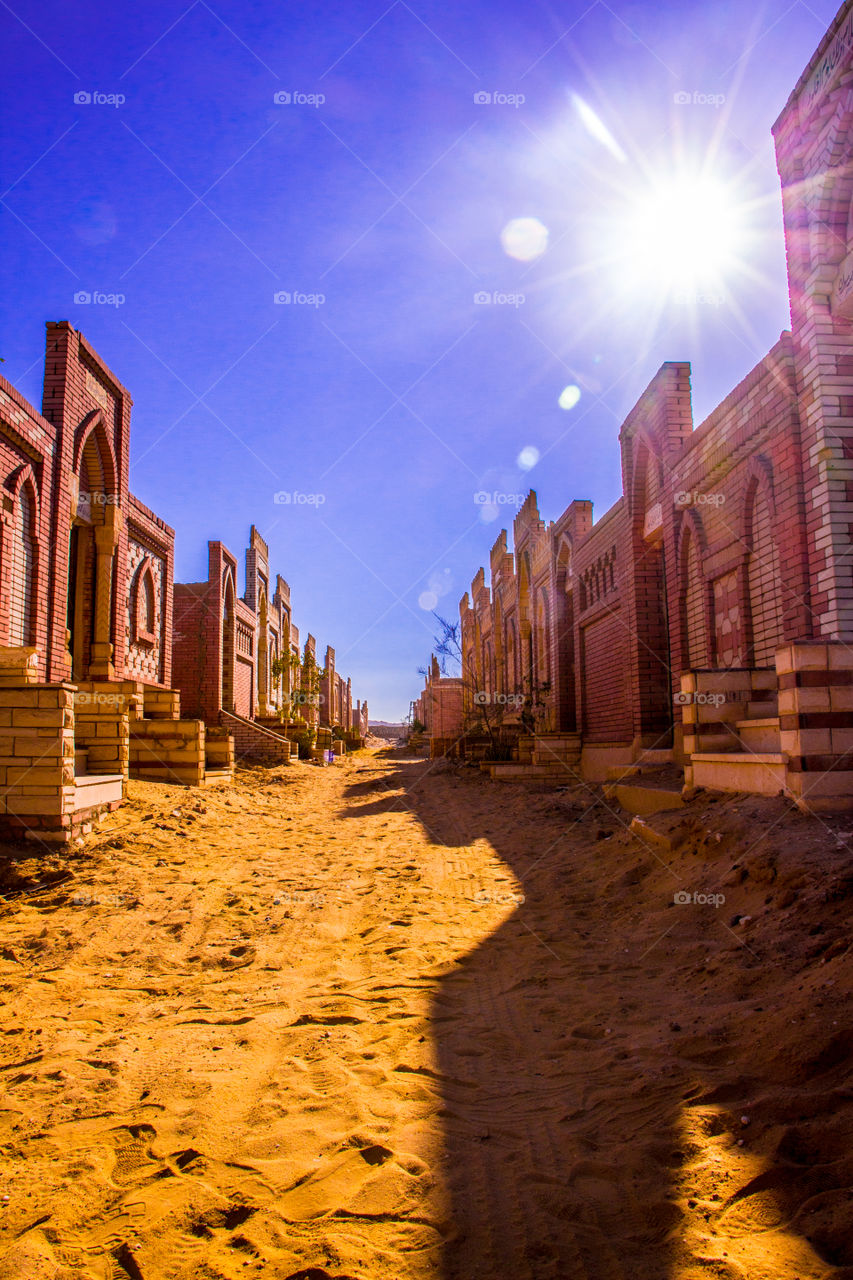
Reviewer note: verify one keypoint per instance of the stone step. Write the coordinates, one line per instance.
(760, 772)
(759, 735)
(556, 757)
(212, 776)
(639, 769)
(756, 710)
(254, 742)
(515, 772)
(644, 800)
(97, 789)
(655, 755)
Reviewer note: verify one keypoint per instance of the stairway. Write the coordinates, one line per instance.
(550, 757)
(254, 742)
(747, 758)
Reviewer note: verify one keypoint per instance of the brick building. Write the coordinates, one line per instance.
(238, 664)
(707, 617)
(85, 606)
(440, 709)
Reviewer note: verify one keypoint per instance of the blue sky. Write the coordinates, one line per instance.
(382, 397)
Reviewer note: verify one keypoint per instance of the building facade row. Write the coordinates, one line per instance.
(106, 666)
(707, 617)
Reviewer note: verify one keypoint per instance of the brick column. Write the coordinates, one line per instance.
(816, 723)
(106, 541)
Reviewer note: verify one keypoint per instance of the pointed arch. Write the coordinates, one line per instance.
(229, 639)
(94, 458)
(763, 575)
(143, 604)
(24, 557)
(695, 610)
(646, 479)
(263, 653)
(542, 638)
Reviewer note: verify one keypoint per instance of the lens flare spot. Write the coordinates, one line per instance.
(597, 129)
(428, 600)
(524, 239)
(528, 457)
(569, 397)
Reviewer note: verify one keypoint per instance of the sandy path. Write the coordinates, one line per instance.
(380, 1021)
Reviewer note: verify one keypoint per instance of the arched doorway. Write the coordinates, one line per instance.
(763, 584)
(263, 657)
(23, 559)
(564, 641)
(91, 564)
(228, 646)
(694, 611)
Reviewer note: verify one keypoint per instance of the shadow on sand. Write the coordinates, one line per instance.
(570, 1103)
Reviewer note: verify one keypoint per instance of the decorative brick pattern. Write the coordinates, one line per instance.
(144, 656)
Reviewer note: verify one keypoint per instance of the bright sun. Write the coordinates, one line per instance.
(683, 235)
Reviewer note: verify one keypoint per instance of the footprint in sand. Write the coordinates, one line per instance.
(133, 1155)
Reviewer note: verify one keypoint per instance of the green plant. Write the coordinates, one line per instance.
(304, 740)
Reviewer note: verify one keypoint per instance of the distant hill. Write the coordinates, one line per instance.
(385, 729)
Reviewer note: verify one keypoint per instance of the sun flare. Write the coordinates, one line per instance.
(683, 235)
